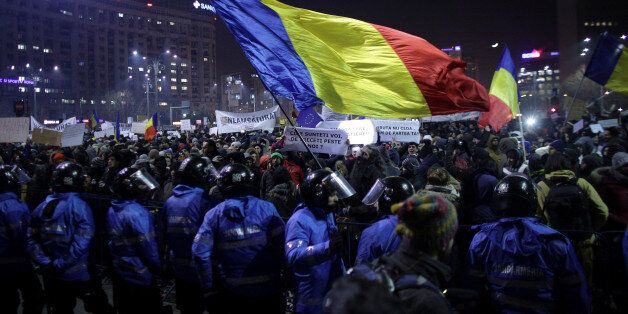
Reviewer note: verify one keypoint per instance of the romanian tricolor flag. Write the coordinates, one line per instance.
(93, 120)
(353, 67)
(609, 64)
(151, 128)
(504, 100)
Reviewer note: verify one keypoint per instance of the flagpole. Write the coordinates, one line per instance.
(573, 100)
(523, 140)
(292, 124)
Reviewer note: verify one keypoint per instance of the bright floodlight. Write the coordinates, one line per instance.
(135, 52)
(530, 121)
(167, 51)
(28, 65)
(586, 40)
(495, 45)
(56, 68)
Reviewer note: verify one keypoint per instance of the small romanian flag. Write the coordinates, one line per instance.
(151, 128)
(351, 66)
(504, 100)
(609, 64)
(93, 120)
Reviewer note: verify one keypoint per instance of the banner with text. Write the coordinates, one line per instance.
(14, 130)
(73, 135)
(186, 125)
(358, 131)
(398, 130)
(65, 122)
(461, 116)
(138, 127)
(233, 122)
(326, 141)
(47, 137)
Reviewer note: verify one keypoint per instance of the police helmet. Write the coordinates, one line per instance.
(388, 191)
(196, 171)
(9, 180)
(320, 184)
(514, 196)
(236, 180)
(68, 177)
(132, 183)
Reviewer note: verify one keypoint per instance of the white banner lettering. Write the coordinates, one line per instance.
(358, 131)
(65, 122)
(326, 141)
(233, 122)
(398, 130)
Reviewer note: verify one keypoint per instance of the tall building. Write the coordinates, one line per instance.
(69, 57)
(243, 92)
(538, 80)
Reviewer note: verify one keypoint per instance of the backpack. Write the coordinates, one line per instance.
(567, 208)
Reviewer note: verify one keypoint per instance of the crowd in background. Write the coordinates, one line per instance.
(458, 162)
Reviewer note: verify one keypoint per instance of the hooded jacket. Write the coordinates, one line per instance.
(14, 219)
(60, 234)
(315, 267)
(132, 242)
(243, 236)
(365, 172)
(527, 267)
(613, 189)
(377, 240)
(599, 211)
(185, 211)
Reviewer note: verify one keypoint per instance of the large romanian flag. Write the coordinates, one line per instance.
(351, 66)
(151, 128)
(504, 99)
(609, 64)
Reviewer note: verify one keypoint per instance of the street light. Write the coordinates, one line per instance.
(495, 45)
(135, 52)
(56, 68)
(28, 65)
(531, 121)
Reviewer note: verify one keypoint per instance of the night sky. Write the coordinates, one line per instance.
(475, 25)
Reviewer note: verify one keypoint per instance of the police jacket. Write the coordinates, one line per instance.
(132, 242)
(315, 267)
(14, 219)
(378, 239)
(185, 210)
(60, 234)
(527, 267)
(244, 237)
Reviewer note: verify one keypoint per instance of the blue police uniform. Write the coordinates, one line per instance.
(528, 267)
(377, 240)
(244, 237)
(315, 267)
(16, 272)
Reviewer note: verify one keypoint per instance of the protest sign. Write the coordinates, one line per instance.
(138, 127)
(596, 128)
(174, 134)
(330, 115)
(186, 125)
(608, 123)
(100, 134)
(47, 137)
(213, 131)
(106, 125)
(36, 125)
(233, 122)
(73, 135)
(65, 122)
(461, 116)
(578, 126)
(358, 131)
(326, 141)
(14, 130)
(398, 130)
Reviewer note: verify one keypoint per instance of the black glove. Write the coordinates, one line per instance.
(335, 243)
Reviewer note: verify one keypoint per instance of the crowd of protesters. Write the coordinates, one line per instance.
(238, 223)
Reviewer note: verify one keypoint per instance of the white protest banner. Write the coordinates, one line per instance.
(100, 134)
(73, 135)
(14, 130)
(36, 125)
(608, 123)
(330, 115)
(138, 127)
(596, 128)
(578, 126)
(174, 134)
(326, 141)
(106, 125)
(461, 116)
(186, 125)
(129, 120)
(47, 137)
(234, 122)
(358, 131)
(397, 130)
(213, 130)
(65, 122)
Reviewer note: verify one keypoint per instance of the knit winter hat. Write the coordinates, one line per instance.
(558, 145)
(429, 220)
(276, 154)
(620, 159)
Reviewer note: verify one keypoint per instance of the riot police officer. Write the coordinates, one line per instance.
(59, 239)
(243, 236)
(185, 210)
(16, 273)
(524, 265)
(132, 244)
(380, 238)
(313, 243)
